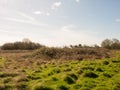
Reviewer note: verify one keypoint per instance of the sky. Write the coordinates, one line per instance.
(59, 22)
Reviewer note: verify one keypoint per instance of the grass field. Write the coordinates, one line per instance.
(28, 74)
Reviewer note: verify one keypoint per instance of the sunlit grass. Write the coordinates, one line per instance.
(103, 74)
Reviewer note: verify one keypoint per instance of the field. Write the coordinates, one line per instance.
(20, 73)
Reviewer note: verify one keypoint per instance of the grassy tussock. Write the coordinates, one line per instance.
(34, 74)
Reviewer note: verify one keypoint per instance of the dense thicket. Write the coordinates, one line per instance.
(23, 45)
(70, 53)
(111, 44)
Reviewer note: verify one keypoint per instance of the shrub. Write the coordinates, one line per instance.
(47, 53)
(21, 46)
(67, 53)
(111, 44)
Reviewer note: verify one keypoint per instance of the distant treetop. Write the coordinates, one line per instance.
(26, 44)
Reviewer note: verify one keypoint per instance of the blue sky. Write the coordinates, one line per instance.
(59, 22)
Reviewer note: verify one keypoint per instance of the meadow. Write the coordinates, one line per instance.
(21, 70)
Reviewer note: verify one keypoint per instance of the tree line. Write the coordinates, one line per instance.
(25, 44)
(111, 44)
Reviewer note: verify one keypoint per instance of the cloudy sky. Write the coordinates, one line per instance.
(59, 22)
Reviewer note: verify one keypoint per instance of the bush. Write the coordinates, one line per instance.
(111, 44)
(21, 46)
(48, 53)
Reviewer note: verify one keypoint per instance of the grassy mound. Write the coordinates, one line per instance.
(47, 53)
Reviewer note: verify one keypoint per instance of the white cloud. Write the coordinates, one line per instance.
(68, 28)
(41, 13)
(117, 20)
(77, 1)
(24, 21)
(56, 5)
(21, 17)
(6, 3)
(47, 14)
(10, 32)
(26, 16)
(37, 12)
(15, 19)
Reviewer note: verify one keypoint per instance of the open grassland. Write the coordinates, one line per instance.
(34, 74)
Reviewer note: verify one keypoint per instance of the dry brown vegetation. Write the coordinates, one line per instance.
(26, 70)
(26, 58)
(53, 68)
(70, 53)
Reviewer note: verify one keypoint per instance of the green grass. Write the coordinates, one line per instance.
(61, 75)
